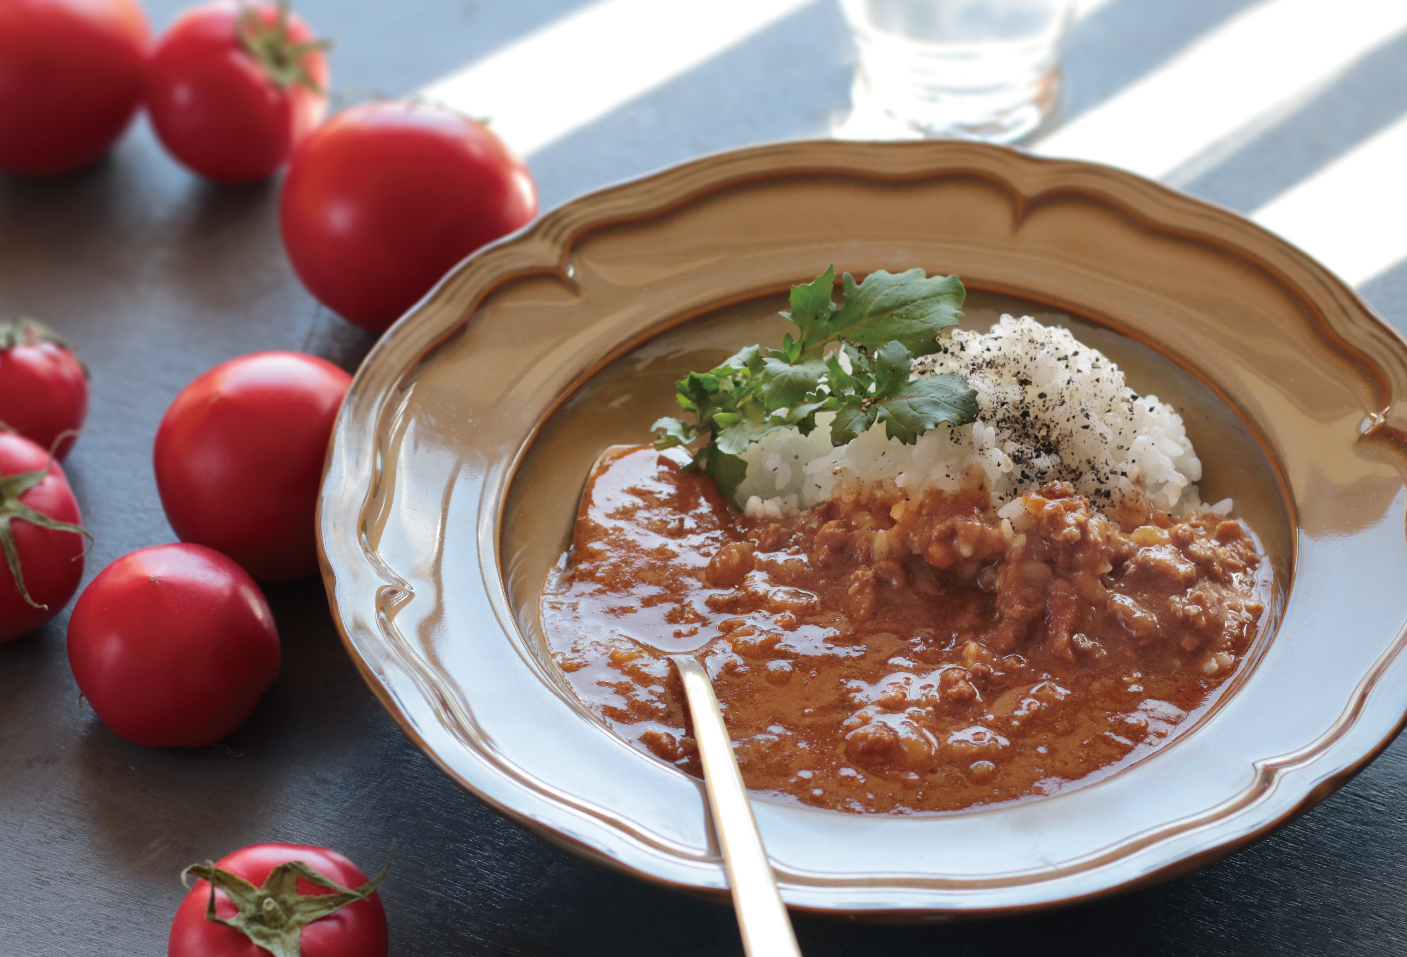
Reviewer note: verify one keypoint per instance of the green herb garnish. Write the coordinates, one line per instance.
(887, 321)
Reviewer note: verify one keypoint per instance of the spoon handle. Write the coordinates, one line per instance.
(762, 917)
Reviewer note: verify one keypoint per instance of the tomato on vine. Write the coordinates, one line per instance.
(173, 646)
(43, 386)
(239, 458)
(41, 537)
(289, 900)
(383, 199)
(234, 87)
(71, 78)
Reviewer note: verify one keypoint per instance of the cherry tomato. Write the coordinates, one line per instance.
(233, 87)
(34, 497)
(173, 645)
(355, 930)
(239, 459)
(71, 77)
(43, 386)
(382, 200)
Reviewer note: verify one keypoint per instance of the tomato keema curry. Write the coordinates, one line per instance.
(899, 652)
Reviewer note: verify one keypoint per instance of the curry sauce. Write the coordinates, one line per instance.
(898, 652)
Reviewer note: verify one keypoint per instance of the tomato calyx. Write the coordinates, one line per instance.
(11, 508)
(278, 53)
(23, 331)
(273, 916)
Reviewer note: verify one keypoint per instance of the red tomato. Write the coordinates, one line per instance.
(383, 199)
(43, 386)
(50, 560)
(234, 86)
(71, 76)
(356, 930)
(239, 459)
(173, 645)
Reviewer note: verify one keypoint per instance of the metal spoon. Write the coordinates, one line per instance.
(762, 917)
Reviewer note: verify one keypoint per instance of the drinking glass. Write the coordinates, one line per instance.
(974, 69)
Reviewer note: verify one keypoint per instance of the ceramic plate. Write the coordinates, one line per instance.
(465, 439)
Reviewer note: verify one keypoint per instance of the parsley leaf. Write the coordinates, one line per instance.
(671, 432)
(885, 322)
(918, 405)
(811, 308)
(735, 431)
(908, 307)
(785, 384)
(851, 420)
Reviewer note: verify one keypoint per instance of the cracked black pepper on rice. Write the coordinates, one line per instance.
(1034, 425)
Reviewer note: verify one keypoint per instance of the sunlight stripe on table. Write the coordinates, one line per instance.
(582, 66)
(1083, 8)
(1352, 214)
(1234, 81)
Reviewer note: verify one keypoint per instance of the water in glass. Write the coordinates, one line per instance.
(977, 69)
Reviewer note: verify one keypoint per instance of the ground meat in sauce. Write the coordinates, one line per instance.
(892, 653)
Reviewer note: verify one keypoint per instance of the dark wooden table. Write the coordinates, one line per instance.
(155, 277)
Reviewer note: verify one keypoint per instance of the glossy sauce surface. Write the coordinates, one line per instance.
(898, 653)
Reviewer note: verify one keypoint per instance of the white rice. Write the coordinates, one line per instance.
(1049, 408)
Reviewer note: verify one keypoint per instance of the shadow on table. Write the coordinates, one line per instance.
(223, 249)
